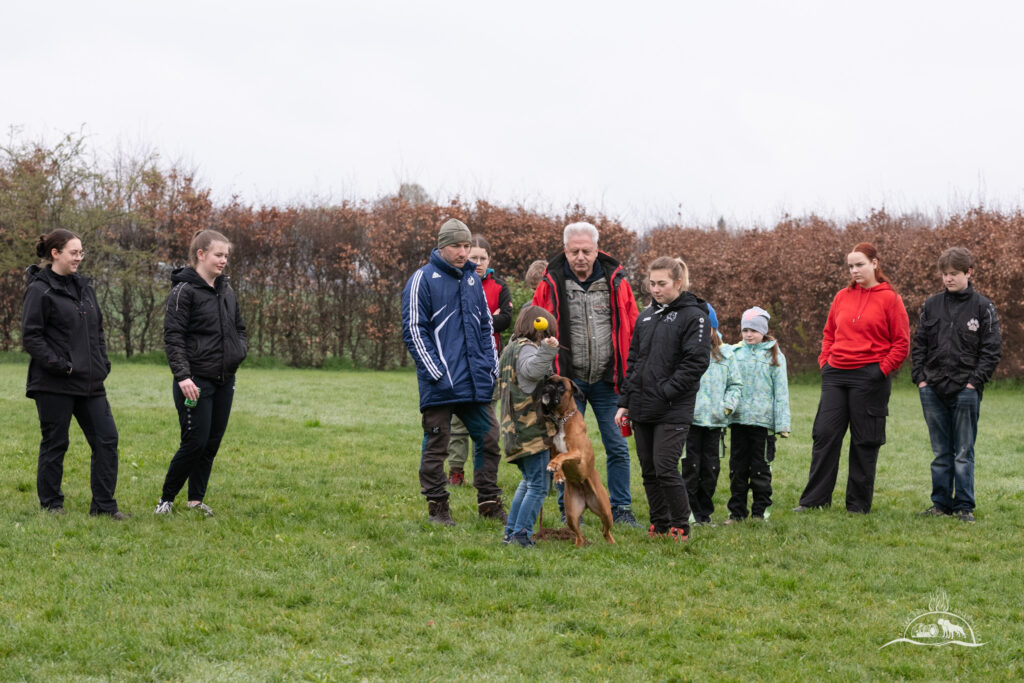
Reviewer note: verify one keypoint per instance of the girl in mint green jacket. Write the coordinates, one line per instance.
(719, 393)
(762, 412)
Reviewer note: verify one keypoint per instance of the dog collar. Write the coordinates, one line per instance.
(565, 418)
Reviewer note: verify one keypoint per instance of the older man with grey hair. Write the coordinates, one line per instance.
(590, 297)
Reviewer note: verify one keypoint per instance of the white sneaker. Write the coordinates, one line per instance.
(201, 507)
(164, 507)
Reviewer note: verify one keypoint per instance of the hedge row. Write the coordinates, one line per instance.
(324, 281)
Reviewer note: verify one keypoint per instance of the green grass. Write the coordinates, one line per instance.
(320, 565)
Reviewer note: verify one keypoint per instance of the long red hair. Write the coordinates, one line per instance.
(869, 250)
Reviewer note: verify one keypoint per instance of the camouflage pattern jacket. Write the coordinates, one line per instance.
(524, 429)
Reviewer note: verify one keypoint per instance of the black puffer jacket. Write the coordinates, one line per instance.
(62, 331)
(957, 341)
(669, 352)
(204, 334)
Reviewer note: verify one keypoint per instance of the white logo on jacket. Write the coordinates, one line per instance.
(972, 324)
(470, 281)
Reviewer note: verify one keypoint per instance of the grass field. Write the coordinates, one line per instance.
(320, 564)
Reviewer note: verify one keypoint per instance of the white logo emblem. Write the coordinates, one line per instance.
(436, 275)
(646, 319)
(670, 317)
(471, 281)
(938, 627)
(972, 324)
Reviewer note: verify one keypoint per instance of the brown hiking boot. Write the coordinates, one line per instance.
(439, 513)
(492, 509)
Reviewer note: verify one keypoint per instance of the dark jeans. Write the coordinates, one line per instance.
(701, 464)
(97, 423)
(751, 452)
(952, 426)
(202, 429)
(658, 447)
(858, 399)
(483, 428)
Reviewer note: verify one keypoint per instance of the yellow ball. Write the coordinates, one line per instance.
(540, 323)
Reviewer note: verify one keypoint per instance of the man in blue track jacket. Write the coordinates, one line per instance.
(447, 327)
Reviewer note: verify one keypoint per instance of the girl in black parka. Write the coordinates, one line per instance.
(205, 341)
(62, 331)
(669, 352)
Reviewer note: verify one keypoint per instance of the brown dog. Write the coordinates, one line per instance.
(574, 459)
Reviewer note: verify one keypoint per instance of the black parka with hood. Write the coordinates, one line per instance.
(62, 331)
(204, 334)
(669, 352)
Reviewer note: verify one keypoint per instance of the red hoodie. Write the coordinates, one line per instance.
(866, 326)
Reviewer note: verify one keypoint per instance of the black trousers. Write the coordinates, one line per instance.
(97, 423)
(658, 448)
(701, 464)
(482, 425)
(858, 399)
(752, 450)
(202, 429)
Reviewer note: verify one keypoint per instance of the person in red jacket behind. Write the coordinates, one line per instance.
(866, 338)
(590, 297)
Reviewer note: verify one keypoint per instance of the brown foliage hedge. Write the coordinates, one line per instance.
(322, 284)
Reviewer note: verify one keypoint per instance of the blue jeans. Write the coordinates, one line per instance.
(602, 396)
(952, 426)
(530, 495)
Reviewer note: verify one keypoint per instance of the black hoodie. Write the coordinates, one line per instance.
(669, 352)
(62, 331)
(204, 334)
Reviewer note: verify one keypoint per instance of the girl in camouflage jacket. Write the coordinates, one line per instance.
(526, 434)
(762, 412)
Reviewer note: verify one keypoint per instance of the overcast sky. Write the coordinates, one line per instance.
(643, 110)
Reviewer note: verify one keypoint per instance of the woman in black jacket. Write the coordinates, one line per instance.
(205, 341)
(62, 331)
(669, 352)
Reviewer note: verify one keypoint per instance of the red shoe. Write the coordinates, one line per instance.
(456, 478)
(678, 535)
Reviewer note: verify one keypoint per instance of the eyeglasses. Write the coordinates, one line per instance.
(77, 253)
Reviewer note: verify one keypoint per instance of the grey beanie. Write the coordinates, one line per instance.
(756, 319)
(452, 232)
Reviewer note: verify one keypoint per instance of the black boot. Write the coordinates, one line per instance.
(439, 512)
(492, 509)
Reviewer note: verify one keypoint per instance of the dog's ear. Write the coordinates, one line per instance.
(576, 391)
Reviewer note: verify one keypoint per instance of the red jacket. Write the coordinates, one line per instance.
(499, 303)
(550, 294)
(866, 326)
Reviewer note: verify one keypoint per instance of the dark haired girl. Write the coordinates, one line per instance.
(62, 331)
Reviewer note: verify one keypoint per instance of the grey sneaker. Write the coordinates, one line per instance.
(201, 507)
(621, 515)
(164, 507)
(964, 515)
(935, 511)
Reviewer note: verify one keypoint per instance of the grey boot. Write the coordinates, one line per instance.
(439, 512)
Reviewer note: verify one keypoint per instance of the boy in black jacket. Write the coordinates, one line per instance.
(957, 346)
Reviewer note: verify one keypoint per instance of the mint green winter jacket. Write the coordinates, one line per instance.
(764, 398)
(719, 389)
